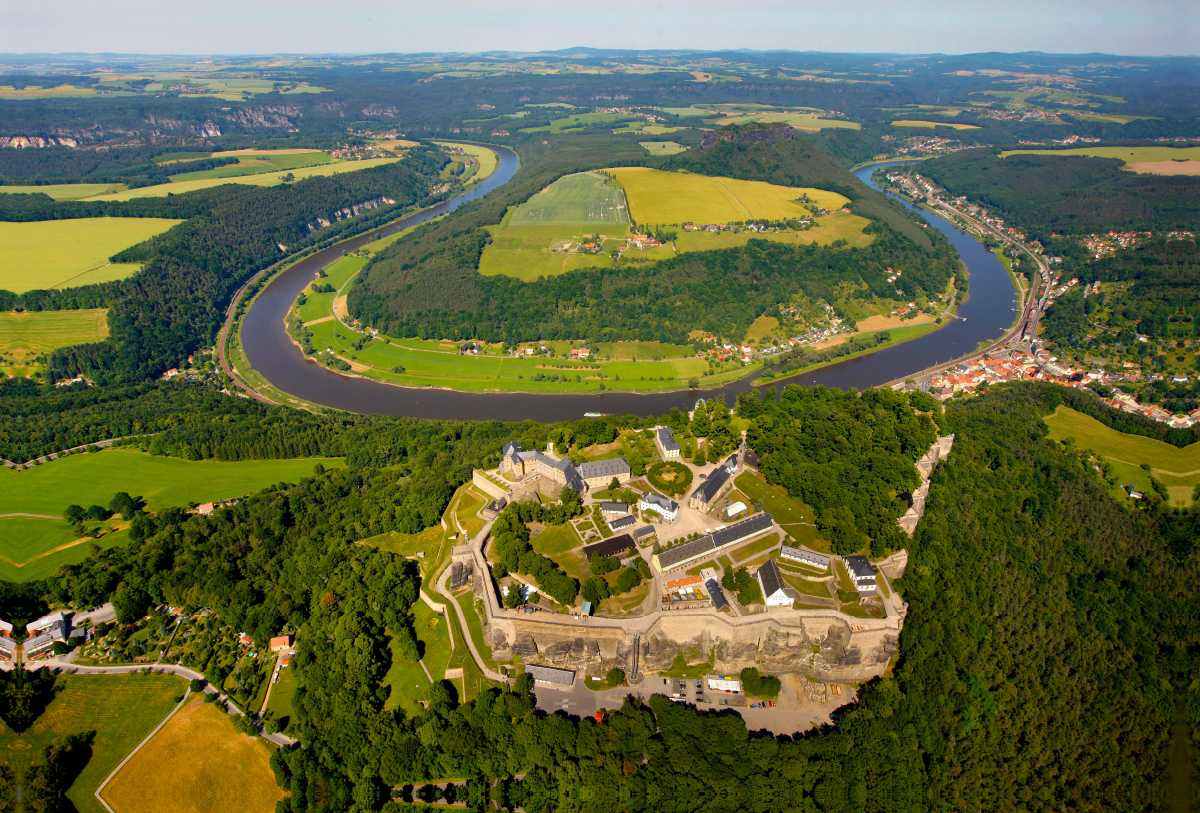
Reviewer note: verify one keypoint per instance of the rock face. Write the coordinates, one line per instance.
(349, 212)
(715, 137)
(21, 142)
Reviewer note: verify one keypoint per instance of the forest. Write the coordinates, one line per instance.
(1044, 194)
(1041, 665)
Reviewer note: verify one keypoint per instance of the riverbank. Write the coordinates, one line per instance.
(899, 335)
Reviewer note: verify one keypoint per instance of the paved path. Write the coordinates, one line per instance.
(442, 588)
(32, 516)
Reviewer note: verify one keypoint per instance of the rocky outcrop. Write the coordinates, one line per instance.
(379, 110)
(21, 142)
(349, 212)
(766, 136)
(939, 451)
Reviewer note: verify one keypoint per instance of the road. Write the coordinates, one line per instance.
(223, 336)
(444, 590)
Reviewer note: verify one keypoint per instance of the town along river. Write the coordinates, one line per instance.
(988, 312)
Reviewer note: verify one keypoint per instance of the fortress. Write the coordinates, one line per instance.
(596, 474)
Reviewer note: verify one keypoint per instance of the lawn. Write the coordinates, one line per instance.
(473, 681)
(428, 541)
(527, 252)
(662, 147)
(776, 502)
(1178, 469)
(26, 335)
(682, 667)
(282, 694)
(87, 479)
(262, 179)
(466, 601)
(806, 587)
(931, 124)
(59, 253)
(434, 633)
(466, 510)
(560, 543)
(758, 546)
(197, 763)
(676, 197)
(121, 709)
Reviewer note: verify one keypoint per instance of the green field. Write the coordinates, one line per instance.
(256, 164)
(263, 179)
(801, 121)
(1177, 469)
(86, 479)
(677, 197)
(583, 198)
(662, 147)
(23, 336)
(529, 252)
(561, 544)
(282, 694)
(837, 226)
(790, 514)
(931, 124)
(120, 709)
(59, 253)
(1130, 155)
(576, 121)
(488, 160)
(898, 336)
(32, 548)
(64, 191)
(466, 601)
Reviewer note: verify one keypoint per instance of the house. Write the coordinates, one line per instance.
(621, 522)
(45, 622)
(614, 508)
(733, 510)
(281, 642)
(205, 509)
(245, 640)
(709, 489)
(6, 628)
(643, 532)
(775, 593)
(549, 676)
(667, 508)
(8, 648)
(688, 552)
(41, 645)
(719, 602)
(599, 474)
(664, 439)
(584, 352)
(862, 573)
(805, 557)
(613, 546)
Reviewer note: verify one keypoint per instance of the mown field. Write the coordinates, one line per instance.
(662, 147)
(178, 187)
(801, 121)
(66, 191)
(1130, 155)
(931, 124)
(34, 548)
(120, 709)
(1177, 469)
(657, 197)
(197, 763)
(836, 226)
(67, 253)
(255, 164)
(87, 479)
(584, 197)
(23, 336)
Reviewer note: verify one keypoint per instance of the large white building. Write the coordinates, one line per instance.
(775, 593)
(667, 508)
(582, 477)
(862, 572)
(664, 439)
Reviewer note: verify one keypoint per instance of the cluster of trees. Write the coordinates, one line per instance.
(746, 586)
(803, 357)
(510, 541)
(721, 292)
(1069, 194)
(849, 455)
(596, 588)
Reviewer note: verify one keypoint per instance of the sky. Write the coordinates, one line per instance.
(1144, 27)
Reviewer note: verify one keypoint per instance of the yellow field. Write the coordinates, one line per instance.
(197, 763)
(931, 124)
(1157, 160)
(264, 179)
(801, 121)
(837, 226)
(56, 253)
(676, 197)
(31, 92)
(488, 160)
(65, 191)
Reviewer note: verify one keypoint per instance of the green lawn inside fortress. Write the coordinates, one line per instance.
(120, 709)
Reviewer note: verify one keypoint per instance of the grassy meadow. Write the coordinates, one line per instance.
(26, 335)
(67, 253)
(584, 197)
(87, 479)
(799, 120)
(120, 709)
(197, 763)
(64, 191)
(825, 230)
(662, 147)
(255, 164)
(34, 548)
(1177, 469)
(931, 124)
(1130, 155)
(676, 197)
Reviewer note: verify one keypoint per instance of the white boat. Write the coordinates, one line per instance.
(593, 414)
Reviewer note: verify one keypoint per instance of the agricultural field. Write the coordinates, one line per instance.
(488, 160)
(256, 163)
(1177, 469)
(662, 147)
(34, 548)
(120, 709)
(67, 253)
(1151, 160)
(582, 198)
(825, 230)
(87, 479)
(675, 197)
(197, 763)
(262, 179)
(932, 124)
(800, 120)
(26, 335)
(64, 191)
(577, 121)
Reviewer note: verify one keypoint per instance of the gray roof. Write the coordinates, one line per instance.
(731, 462)
(658, 499)
(39, 642)
(603, 468)
(621, 522)
(8, 644)
(548, 674)
(725, 536)
(805, 555)
(859, 567)
(770, 578)
(667, 438)
(614, 508)
(645, 530)
(510, 447)
(714, 592)
(710, 487)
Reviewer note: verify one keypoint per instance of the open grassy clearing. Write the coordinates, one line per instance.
(87, 479)
(677, 197)
(529, 252)
(801, 121)
(1130, 155)
(472, 681)
(36, 92)
(932, 124)
(662, 147)
(64, 191)
(466, 600)
(1177, 469)
(121, 709)
(263, 179)
(825, 230)
(746, 552)
(792, 515)
(584, 197)
(428, 542)
(197, 763)
(282, 694)
(32, 548)
(576, 121)
(488, 160)
(56, 253)
(23, 336)
(561, 544)
(898, 336)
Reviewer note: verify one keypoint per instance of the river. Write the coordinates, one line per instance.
(988, 312)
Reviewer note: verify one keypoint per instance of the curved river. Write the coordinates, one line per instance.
(986, 315)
